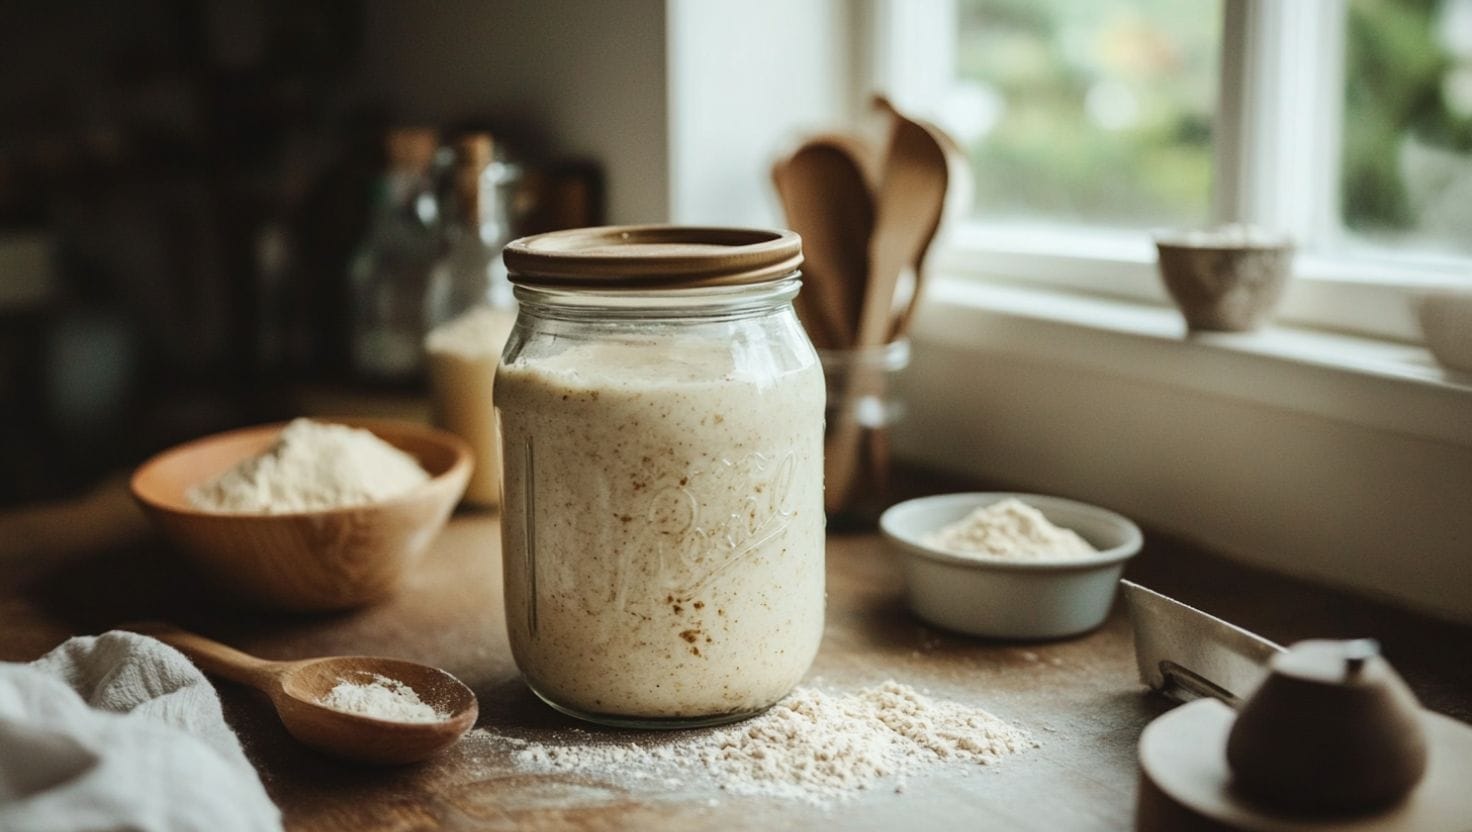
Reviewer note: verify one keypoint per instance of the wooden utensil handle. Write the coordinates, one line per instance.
(844, 441)
(211, 656)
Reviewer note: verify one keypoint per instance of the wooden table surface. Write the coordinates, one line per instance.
(85, 567)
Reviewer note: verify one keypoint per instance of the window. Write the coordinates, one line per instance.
(1088, 112)
(1346, 123)
(1407, 158)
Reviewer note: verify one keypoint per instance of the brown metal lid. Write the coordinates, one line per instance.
(653, 256)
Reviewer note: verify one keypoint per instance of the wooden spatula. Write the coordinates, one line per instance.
(908, 210)
(828, 202)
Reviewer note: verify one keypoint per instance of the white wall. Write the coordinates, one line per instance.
(746, 79)
(589, 76)
(685, 102)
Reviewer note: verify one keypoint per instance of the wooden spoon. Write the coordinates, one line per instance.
(912, 197)
(295, 688)
(957, 177)
(909, 206)
(828, 202)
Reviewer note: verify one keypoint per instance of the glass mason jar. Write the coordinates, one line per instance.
(862, 408)
(661, 416)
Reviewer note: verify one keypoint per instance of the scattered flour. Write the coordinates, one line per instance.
(813, 746)
(313, 465)
(1009, 529)
(382, 698)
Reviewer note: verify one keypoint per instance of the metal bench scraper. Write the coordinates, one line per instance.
(1188, 654)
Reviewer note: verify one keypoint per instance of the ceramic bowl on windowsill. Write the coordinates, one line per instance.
(1446, 324)
(1226, 279)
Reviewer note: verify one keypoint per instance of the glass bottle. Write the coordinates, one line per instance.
(391, 270)
(470, 272)
(863, 407)
(661, 414)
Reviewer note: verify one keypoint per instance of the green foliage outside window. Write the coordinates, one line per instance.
(1407, 163)
(1102, 112)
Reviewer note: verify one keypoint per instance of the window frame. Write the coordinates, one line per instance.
(1276, 163)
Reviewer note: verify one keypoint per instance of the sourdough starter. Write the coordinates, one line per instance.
(667, 558)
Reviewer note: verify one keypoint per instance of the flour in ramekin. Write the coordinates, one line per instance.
(1009, 529)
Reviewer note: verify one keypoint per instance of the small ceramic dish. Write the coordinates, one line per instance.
(1002, 597)
(330, 559)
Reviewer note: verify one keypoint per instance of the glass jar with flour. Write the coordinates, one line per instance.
(661, 414)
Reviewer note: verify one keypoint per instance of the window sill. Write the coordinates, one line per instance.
(1373, 383)
(1366, 293)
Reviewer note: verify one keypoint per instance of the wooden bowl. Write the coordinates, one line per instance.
(329, 559)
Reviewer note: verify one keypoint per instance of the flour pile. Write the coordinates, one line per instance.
(1009, 529)
(813, 746)
(383, 698)
(313, 465)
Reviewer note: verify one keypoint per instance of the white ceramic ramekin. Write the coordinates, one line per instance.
(1008, 598)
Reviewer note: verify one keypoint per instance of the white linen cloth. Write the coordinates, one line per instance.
(121, 732)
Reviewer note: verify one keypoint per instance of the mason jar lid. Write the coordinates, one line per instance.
(653, 256)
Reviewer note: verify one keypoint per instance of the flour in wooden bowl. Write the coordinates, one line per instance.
(814, 746)
(312, 466)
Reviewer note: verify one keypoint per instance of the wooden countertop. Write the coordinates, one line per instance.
(86, 567)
